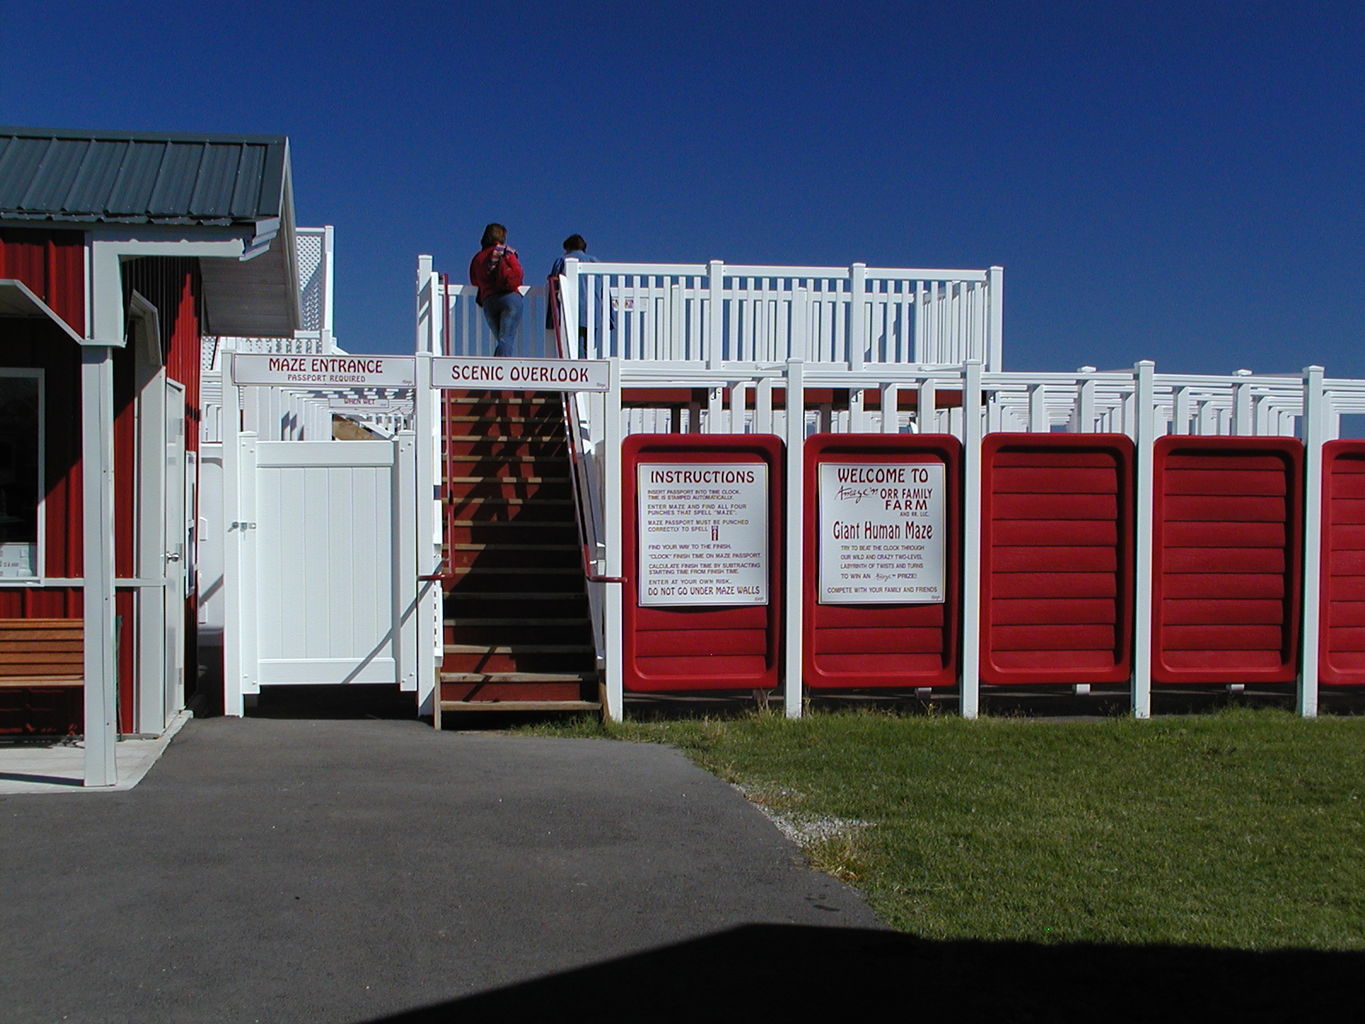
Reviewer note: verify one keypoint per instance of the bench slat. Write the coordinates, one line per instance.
(36, 653)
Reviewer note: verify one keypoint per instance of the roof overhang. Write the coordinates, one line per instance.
(17, 299)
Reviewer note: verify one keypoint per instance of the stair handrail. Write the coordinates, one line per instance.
(587, 511)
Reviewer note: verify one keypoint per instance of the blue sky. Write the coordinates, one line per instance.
(1174, 181)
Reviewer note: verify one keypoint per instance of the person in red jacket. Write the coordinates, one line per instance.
(496, 272)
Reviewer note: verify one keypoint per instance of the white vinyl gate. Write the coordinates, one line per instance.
(323, 539)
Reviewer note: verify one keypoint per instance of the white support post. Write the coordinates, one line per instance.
(715, 320)
(857, 309)
(97, 525)
(1037, 410)
(568, 307)
(1243, 424)
(430, 524)
(739, 391)
(245, 528)
(972, 437)
(996, 331)
(1144, 438)
(891, 400)
(612, 515)
(794, 540)
(233, 603)
(926, 417)
(1085, 407)
(407, 613)
(1182, 411)
(855, 411)
(1314, 421)
(763, 406)
(715, 409)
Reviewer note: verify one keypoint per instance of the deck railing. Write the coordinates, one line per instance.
(711, 314)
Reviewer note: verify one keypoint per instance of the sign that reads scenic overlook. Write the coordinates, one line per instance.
(703, 533)
(882, 528)
(316, 371)
(503, 374)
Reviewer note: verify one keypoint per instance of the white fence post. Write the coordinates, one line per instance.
(794, 538)
(996, 329)
(1144, 438)
(1314, 421)
(971, 539)
(407, 541)
(715, 320)
(233, 601)
(612, 515)
(857, 303)
(568, 308)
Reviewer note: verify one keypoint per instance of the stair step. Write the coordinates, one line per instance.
(462, 623)
(521, 705)
(517, 648)
(501, 479)
(519, 677)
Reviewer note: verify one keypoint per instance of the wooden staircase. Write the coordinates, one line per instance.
(517, 630)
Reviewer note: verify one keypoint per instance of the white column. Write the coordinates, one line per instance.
(232, 541)
(996, 331)
(1314, 422)
(612, 526)
(857, 333)
(1144, 437)
(430, 523)
(971, 539)
(97, 470)
(407, 541)
(568, 307)
(715, 321)
(794, 541)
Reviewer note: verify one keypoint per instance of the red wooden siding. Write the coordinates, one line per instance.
(1056, 558)
(52, 264)
(1341, 660)
(867, 646)
(711, 647)
(1226, 577)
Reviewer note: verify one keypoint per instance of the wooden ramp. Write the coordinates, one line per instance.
(517, 631)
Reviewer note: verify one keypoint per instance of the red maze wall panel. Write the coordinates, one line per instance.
(1056, 558)
(1227, 521)
(1341, 660)
(898, 643)
(713, 646)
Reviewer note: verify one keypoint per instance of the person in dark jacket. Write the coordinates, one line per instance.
(496, 272)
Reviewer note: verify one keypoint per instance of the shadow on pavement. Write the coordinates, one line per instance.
(805, 971)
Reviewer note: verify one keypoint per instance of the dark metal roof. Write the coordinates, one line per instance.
(140, 178)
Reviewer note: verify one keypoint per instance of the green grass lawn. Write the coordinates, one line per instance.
(1241, 830)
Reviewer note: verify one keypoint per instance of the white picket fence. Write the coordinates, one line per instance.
(713, 313)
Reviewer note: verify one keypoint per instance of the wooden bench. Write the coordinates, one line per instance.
(42, 652)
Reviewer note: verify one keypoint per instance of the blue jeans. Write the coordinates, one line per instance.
(503, 313)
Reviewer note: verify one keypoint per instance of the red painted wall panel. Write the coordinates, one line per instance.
(700, 647)
(878, 646)
(1056, 558)
(1227, 518)
(52, 264)
(1341, 659)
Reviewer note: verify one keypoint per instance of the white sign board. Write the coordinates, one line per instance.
(882, 529)
(502, 374)
(324, 371)
(18, 558)
(703, 533)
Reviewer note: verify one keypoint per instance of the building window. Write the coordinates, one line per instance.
(21, 462)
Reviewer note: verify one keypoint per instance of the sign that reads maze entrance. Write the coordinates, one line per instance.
(703, 533)
(882, 526)
(324, 371)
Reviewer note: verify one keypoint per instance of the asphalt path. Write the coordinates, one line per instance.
(361, 870)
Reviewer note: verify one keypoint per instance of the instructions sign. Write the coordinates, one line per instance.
(324, 371)
(703, 533)
(882, 529)
(498, 373)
